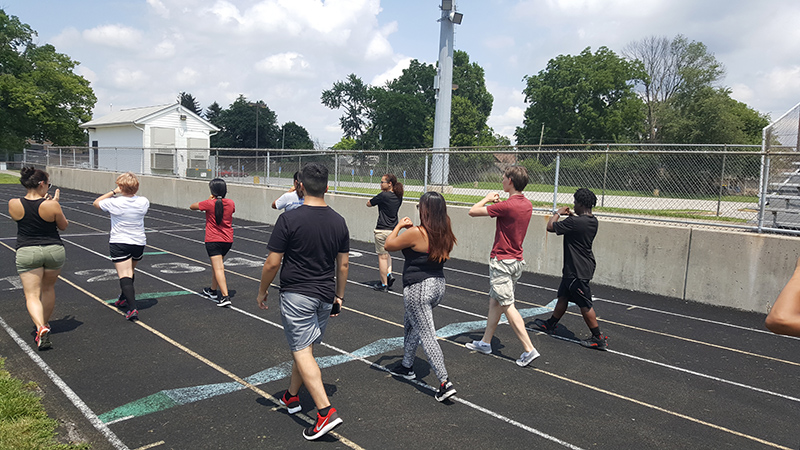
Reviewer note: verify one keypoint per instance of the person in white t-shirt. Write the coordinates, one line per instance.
(127, 238)
(292, 199)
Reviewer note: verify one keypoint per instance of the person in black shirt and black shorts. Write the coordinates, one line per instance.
(579, 230)
(388, 203)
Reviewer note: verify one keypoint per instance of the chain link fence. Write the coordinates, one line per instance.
(744, 187)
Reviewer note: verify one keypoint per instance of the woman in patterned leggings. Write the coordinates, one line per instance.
(426, 247)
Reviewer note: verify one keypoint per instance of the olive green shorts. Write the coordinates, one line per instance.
(51, 257)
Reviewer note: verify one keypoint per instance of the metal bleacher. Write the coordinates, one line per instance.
(784, 200)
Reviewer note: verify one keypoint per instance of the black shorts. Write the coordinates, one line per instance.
(124, 252)
(218, 248)
(578, 291)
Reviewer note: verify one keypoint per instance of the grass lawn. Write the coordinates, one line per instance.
(8, 179)
(23, 422)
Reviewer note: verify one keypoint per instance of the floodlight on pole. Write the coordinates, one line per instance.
(443, 82)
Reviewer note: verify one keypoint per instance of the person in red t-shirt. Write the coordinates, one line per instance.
(219, 236)
(505, 260)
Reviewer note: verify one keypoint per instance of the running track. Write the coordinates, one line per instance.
(190, 375)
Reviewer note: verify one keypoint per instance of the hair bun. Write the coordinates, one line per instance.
(27, 172)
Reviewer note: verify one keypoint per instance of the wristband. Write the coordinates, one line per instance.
(340, 298)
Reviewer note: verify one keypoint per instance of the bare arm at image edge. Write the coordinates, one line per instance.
(784, 317)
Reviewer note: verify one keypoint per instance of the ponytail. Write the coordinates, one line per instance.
(218, 189)
(30, 177)
(397, 188)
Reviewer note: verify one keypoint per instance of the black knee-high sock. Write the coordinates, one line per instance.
(126, 284)
(122, 294)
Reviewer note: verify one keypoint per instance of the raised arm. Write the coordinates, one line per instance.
(479, 209)
(784, 317)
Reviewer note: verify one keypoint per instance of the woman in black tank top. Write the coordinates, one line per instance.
(40, 252)
(426, 248)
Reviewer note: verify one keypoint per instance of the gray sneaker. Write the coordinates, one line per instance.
(527, 357)
(479, 346)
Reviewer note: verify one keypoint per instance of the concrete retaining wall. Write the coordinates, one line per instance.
(735, 269)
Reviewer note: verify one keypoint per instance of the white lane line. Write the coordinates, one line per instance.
(71, 395)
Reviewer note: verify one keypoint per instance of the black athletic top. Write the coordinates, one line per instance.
(388, 204)
(32, 229)
(579, 233)
(418, 267)
(310, 238)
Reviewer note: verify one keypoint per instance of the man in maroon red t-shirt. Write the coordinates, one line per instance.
(505, 260)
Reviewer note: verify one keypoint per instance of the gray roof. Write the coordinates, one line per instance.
(138, 115)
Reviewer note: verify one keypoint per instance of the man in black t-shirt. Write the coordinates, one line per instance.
(313, 243)
(579, 230)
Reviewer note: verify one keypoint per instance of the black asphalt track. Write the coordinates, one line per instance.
(191, 375)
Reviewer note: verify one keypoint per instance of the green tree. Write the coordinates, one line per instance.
(213, 113)
(189, 102)
(294, 136)
(40, 96)
(673, 67)
(238, 124)
(399, 118)
(346, 144)
(710, 116)
(585, 98)
(352, 95)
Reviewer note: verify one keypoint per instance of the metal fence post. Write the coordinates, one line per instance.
(605, 175)
(335, 171)
(765, 163)
(721, 182)
(425, 178)
(555, 182)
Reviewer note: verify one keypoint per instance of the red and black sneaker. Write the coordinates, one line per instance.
(596, 342)
(324, 425)
(42, 338)
(542, 325)
(121, 301)
(292, 403)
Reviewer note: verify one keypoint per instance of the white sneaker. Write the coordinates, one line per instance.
(527, 357)
(479, 346)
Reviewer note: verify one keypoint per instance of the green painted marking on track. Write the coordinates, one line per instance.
(156, 295)
(153, 253)
(151, 403)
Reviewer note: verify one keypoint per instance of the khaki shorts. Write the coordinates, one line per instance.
(503, 276)
(51, 257)
(380, 241)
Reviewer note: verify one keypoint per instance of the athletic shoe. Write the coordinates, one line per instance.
(224, 301)
(527, 357)
(479, 346)
(210, 293)
(292, 403)
(42, 338)
(543, 326)
(446, 390)
(597, 342)
(402, 371)
(381, 287)
(389, 280)
(324, 425)
(132, 315)
(121, 301)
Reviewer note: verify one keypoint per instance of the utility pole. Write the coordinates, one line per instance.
(443, 86)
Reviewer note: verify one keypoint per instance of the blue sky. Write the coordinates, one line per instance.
(286, 52)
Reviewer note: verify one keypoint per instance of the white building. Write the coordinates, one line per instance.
(164, 139)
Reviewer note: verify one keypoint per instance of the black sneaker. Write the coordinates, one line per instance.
(389, 280)
(132, 315)
(446, 390)
(324, 425)
(121, 302)
(542, 325)
(380, 287)
(400, 370)
(210, 293)
(224, 301)
(596, 342)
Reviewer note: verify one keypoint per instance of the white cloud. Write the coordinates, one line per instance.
(118, 36)
(283, 64)
(164, 49)
(187, 77)
(159, 8)
(127, 79)
(391, 74)
(499, 42)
